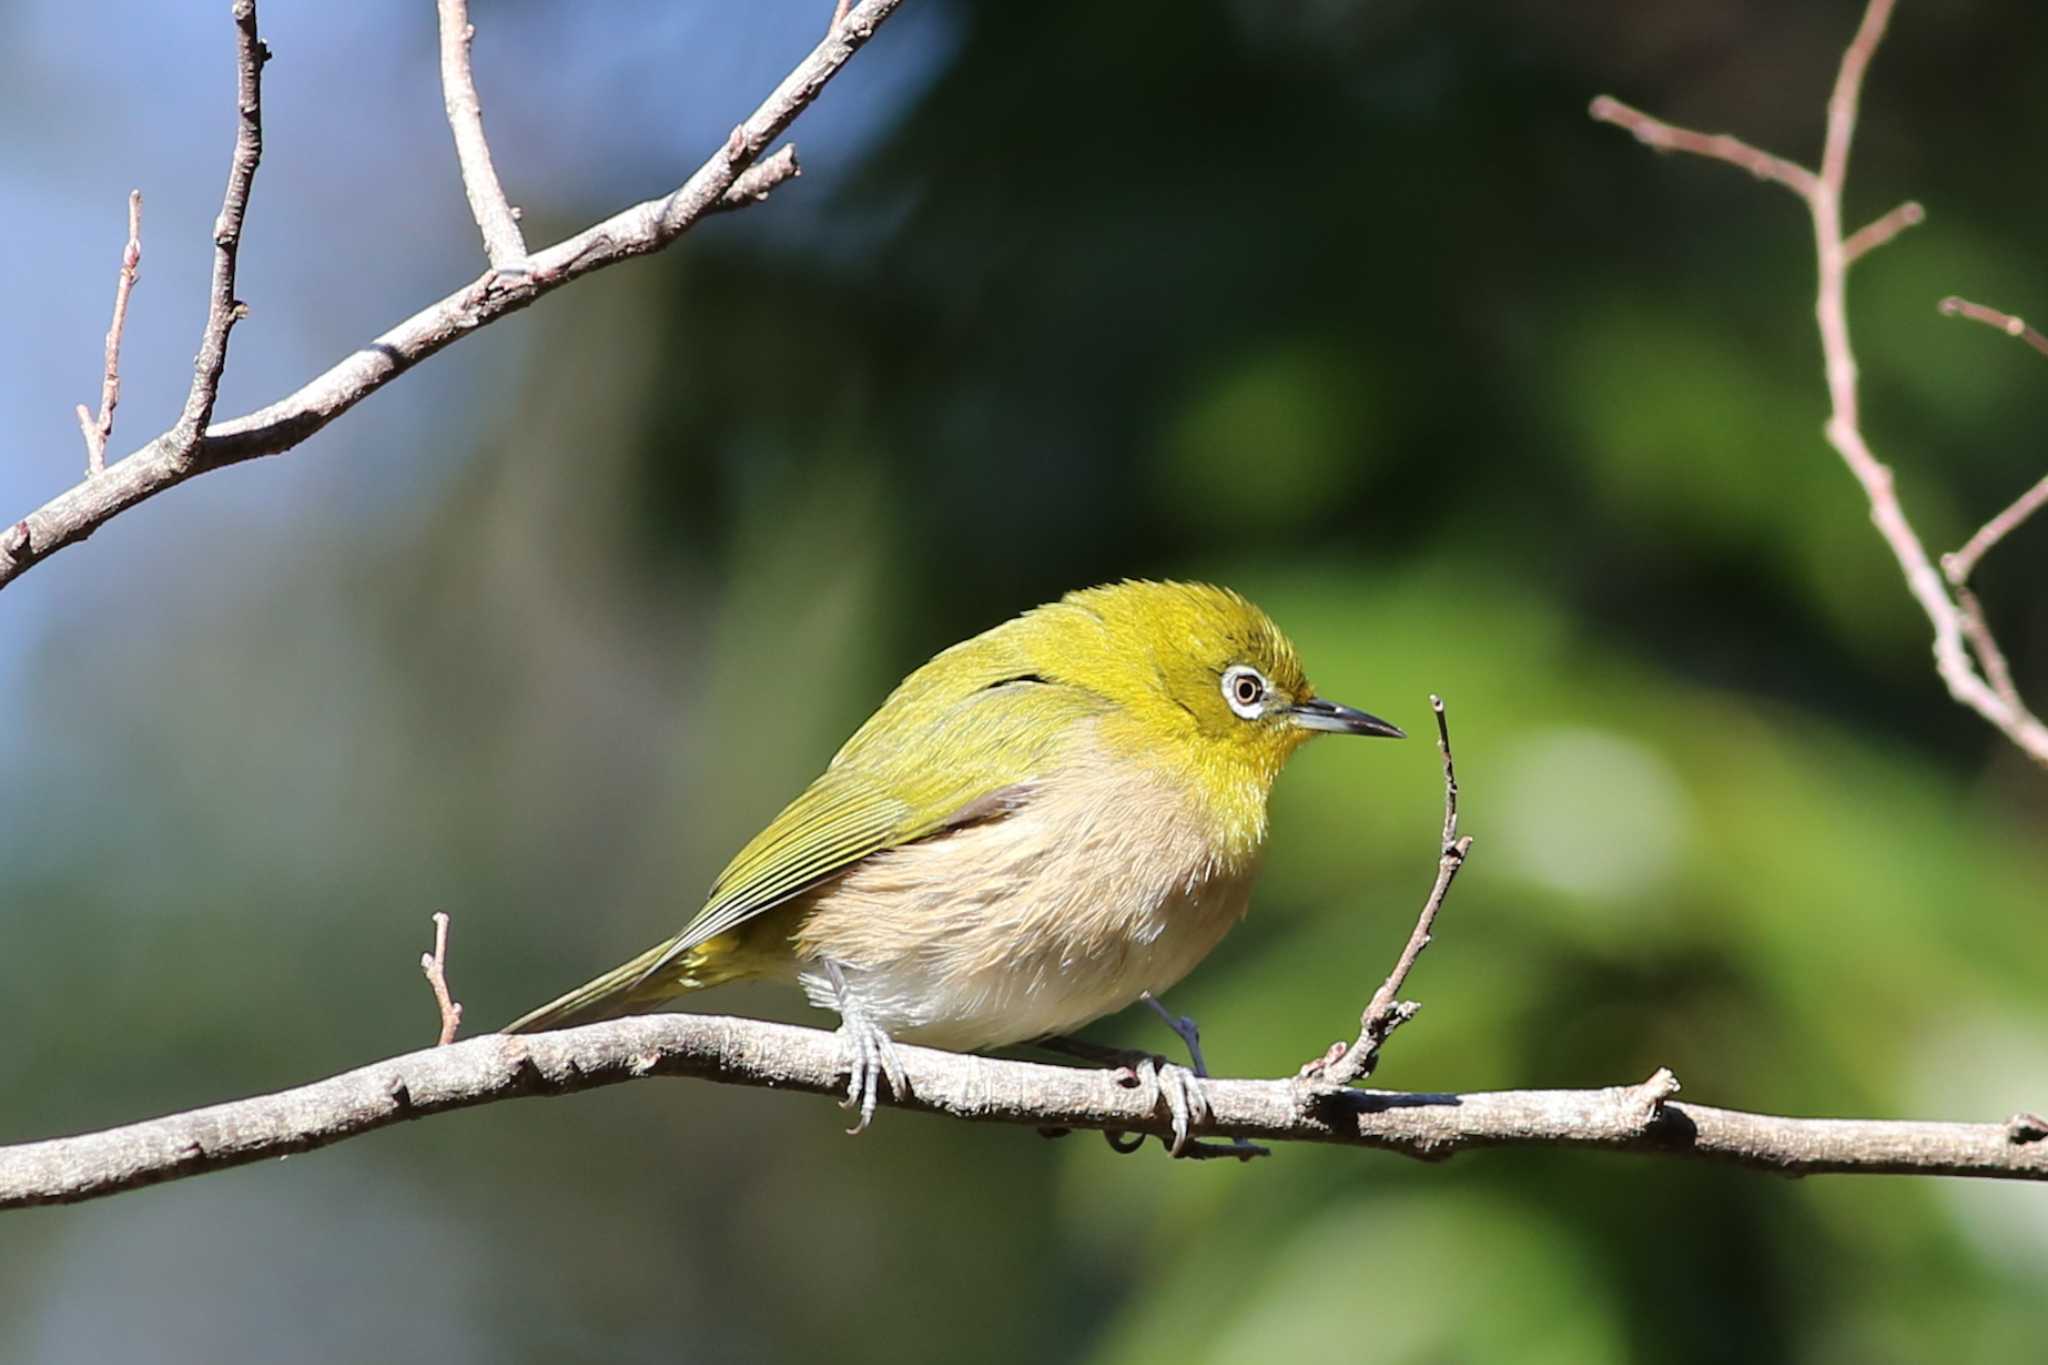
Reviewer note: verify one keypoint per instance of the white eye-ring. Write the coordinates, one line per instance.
(1245, 688)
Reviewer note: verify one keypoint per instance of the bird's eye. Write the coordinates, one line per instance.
(1245, 690)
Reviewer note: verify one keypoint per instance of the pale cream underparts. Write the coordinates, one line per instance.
(1104, 884)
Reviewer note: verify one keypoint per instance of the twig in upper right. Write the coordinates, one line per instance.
(1959, 564)
(1966, 657)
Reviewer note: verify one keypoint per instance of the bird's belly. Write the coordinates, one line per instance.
(1029, 925)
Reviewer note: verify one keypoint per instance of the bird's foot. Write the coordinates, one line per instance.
(1178, 1087)
(1192, 1099)
(1182, 1090)
(870, 1054)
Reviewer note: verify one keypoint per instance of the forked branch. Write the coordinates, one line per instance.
(734, 176)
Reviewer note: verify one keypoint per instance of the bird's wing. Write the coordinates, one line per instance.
(941, 753)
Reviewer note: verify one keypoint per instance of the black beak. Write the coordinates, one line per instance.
(1317, 714)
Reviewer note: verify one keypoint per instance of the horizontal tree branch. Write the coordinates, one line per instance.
(722, 182)
(1637, 1118)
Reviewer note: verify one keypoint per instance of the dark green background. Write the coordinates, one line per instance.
(1348, 305)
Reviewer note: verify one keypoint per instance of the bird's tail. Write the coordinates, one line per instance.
(621, 990)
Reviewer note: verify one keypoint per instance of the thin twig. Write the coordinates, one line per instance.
(1637, 1118)
(1386, 1011)
(1957, 638)
(1990, 656)
(224, 310)
(504, 245)
(760, 180)
(723, 182)
(435, 965)
(1871, 236)
(839, 14)
(1955, 307)
(97, 430)
(1959, 565)
(1666, 137)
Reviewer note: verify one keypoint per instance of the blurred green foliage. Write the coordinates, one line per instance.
(1346, 305)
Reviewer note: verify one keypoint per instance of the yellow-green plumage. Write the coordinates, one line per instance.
(1035, 827)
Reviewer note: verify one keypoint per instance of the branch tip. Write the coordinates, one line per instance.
(1873, 235)
(97, 430)
(1666, 137)
(1956, 307)
(435, 966)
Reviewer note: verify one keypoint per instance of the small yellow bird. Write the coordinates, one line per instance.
(1041, 826)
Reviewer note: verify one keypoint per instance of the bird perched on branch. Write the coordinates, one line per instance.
(1039, 827)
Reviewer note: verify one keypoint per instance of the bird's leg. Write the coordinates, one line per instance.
(1195, 1092)
(870, 1051)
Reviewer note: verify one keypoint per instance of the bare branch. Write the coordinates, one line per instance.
(1666, 137)
(1386, 1011)
(1638, 1118)
(435, 965)
(223, 310)
(1954, 307)
(1990, 657)
(760, 180)
(1871, 236)
(1955, 634)
(637, 231)
(503, 243)
(98, 429)
(1848, 92)
(1959, 565)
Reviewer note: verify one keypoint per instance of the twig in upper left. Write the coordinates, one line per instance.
(223, 309)
(435, 965)
(97, 430)
(504, 244)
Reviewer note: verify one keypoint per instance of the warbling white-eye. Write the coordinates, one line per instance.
(1039, 827)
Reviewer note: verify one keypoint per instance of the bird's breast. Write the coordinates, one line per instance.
(1105, 883)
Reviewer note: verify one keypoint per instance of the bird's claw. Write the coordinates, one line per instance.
(1186, 1097)
(870, 1056)
(1184, 1091)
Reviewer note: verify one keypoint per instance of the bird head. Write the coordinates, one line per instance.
(1203, 684)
